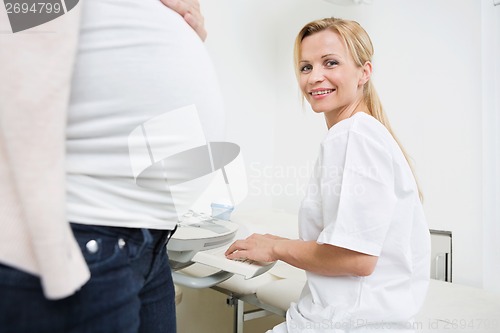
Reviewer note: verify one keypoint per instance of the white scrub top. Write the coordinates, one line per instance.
(363, 197)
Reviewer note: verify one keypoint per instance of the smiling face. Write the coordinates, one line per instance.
(329, 78)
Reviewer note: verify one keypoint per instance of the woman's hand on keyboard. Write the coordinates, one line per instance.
(256, 247)
(191, 12)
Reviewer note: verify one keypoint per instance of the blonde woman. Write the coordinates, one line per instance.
(364, 241)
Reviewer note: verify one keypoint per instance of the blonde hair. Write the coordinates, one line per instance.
(360, 46)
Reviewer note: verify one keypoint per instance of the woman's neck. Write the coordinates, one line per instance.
(334, 117)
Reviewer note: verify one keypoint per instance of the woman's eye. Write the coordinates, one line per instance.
(305, 69)
(331, 63)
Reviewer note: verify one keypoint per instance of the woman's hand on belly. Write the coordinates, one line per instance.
(191, 12)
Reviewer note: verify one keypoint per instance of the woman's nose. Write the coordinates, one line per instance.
(316, 76)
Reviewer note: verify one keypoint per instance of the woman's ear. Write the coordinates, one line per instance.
(366, 73)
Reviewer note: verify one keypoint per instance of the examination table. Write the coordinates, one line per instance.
(448, 307)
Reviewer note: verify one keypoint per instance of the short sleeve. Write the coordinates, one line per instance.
(357, 190)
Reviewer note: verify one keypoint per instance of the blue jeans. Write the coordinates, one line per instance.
(130, 289)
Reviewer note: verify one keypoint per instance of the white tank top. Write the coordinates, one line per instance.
(136, 60)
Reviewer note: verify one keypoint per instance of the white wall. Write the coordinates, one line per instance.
(428, 71)
(491, 143)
